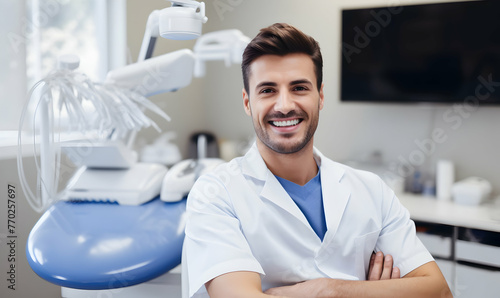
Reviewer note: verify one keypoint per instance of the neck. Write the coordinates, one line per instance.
(298, 167)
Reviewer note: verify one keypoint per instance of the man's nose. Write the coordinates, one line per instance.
(284, 103)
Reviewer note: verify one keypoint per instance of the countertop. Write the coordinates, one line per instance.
(429, 209)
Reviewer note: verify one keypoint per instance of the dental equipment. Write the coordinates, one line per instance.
(130, 186)
(165, 73)
(117, 105)
(181, 177)
(119, 111)
(104, 245)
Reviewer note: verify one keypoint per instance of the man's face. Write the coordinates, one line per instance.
(284, 101)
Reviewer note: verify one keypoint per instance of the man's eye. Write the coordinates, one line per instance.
(299, 88)
(268, 90)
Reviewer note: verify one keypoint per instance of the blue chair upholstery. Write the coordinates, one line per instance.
(93, 246)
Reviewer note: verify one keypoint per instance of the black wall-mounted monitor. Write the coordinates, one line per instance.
(445, 53)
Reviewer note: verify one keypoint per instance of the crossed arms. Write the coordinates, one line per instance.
(383, 281)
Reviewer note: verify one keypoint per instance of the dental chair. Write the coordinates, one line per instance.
(94, 249)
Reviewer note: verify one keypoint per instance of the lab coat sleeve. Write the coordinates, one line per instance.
(214, 242)
(398, 235)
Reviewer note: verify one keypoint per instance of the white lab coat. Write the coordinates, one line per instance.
(241, 219)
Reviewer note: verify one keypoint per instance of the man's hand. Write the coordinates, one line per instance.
(381, 267)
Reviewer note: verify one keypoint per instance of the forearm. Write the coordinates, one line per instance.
(425, 281)
(422, 286)
(233, 292)
(237, 285)
(241, 293)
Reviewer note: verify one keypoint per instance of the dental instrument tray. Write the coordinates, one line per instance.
(133, 186)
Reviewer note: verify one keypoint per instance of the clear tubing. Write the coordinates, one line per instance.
(117, 112)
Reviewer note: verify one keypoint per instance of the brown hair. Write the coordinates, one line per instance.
(281, 39)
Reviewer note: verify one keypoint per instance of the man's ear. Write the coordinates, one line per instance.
(246, 102)
(321, 97)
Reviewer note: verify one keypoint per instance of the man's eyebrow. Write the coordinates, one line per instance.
(269, 84)
(301, 81)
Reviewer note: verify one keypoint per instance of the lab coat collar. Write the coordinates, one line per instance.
(335, 194)
(254, 166)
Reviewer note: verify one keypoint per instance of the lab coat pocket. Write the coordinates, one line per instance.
(365, 245)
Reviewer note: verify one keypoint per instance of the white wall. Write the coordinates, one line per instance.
(348, 130)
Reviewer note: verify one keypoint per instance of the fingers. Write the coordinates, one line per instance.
(387, 270)
(376, 266)
(370, 266)
(381, 267)
(396, 273)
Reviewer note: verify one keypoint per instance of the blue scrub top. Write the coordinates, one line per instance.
(309, 199)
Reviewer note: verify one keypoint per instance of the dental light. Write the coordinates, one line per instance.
(182, 21)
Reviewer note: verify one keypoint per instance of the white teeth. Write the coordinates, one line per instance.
(286, 123)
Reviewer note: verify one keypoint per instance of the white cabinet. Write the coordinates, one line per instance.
(478, 253)
(465, 240)
(480, 276)
(471, 269)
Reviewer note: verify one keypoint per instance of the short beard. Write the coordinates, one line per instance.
(286, 148)
(289, 149)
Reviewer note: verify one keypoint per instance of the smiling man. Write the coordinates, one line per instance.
(284, 220)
